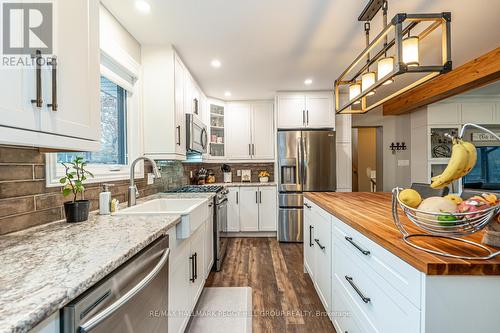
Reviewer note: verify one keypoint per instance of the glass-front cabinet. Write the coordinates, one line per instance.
(217, 133)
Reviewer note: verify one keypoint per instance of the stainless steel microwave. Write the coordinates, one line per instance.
(196, 134)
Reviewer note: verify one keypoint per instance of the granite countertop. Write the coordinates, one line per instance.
(44, 268)
(242, 184)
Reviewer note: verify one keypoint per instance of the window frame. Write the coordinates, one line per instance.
(128, 70)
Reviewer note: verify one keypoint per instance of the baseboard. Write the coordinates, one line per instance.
(266, 234)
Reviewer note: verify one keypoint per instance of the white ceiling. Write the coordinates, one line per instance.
(270, 45)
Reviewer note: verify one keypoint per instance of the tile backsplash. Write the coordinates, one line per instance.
(25, 201)
(219, 177)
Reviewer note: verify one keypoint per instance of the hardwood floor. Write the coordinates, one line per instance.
(284, 299)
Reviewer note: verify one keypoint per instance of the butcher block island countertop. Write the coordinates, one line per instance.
(371, 215)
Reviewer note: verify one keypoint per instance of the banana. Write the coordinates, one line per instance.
(472, 157)
(457, 165)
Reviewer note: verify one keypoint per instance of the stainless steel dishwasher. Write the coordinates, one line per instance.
(132, 299)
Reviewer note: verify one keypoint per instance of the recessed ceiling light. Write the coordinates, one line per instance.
(227, 94)
(308, 82)
(215, 63)
(142, 6)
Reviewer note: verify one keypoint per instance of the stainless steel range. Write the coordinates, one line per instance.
(220, 217)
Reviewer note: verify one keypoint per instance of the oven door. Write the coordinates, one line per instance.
(196, 135)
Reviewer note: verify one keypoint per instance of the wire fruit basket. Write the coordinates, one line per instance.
(459, 225)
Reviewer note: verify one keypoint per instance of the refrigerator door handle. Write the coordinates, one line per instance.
(298, 163)
(303, 144)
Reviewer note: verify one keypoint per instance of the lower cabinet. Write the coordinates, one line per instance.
(252, 209)
(189, 266)
(318, 250)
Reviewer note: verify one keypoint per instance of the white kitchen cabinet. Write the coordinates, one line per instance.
(319, 110)
(233, 209)
(267, 208)
(305, 110)
(209, 241)
(250, 128)
(478, 113)
(76, 122)
(164, 90)
(263, 135)
(291, 111)
(187, 273)
(318, 250)
(238, 124)
(249, 209)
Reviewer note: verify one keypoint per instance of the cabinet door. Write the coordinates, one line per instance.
(179, 303)
(319, 111)
(267, 208)
(238, 120)
(249, 209)
(291, 111)
(323, 255)
(309, 244)
(76, 45)
(478, 113)
(209, 241)
(198, 262)
(233, 210)
(180, 86)
(263, 131)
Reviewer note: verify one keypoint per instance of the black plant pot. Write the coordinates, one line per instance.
(77, 211)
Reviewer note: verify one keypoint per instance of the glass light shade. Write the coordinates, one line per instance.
(410, 51)
(385, 66)
(354, 90)
(368, 80)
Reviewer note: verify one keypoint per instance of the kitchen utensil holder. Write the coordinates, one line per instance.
(466, 223)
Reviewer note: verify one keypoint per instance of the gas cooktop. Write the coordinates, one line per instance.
(198, 189)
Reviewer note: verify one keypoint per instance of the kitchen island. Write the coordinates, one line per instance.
(360, 264)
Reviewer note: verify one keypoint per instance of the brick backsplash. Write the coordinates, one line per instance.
(25, 201)
(219, 177)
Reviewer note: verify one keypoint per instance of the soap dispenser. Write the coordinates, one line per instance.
(105, 200)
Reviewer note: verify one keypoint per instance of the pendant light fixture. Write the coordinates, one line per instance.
(410, 51)
(385, 65)
(395, 53)
(368, 78)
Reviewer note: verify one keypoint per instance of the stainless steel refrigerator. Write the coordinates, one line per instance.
(306, 163)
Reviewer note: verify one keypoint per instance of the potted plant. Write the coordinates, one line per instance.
(264, 176)
(75, 176)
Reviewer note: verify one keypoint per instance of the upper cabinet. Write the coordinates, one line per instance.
(55, 104)
(250, 131)
(305, 110)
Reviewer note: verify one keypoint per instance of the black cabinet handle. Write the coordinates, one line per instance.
(304, 117)
(237, 197)
(307, 117)
(365, 252)
(195, 266)
(179, 135)
(192, 278)
(311, 228)
(307, 205)
(260, 197)
(38, 101)
(53, 63)
(256, 197)
(355, 287)
(319, 244)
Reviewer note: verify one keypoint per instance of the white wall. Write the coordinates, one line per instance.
(395, 129)
(113, 33)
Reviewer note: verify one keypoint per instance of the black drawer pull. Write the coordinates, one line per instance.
(192, 278)
(307, 205)
(365, 252)
(319, 244)
(311, 236)
(355, 287)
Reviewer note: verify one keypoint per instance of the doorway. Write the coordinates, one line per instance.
(367, 159)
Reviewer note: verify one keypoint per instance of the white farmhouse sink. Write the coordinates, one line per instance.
(193, 211)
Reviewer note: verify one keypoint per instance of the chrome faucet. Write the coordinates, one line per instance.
(133, 193)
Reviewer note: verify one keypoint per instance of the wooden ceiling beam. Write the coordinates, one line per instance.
(475, 73)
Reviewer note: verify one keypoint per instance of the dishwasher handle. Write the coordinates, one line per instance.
(100, 317)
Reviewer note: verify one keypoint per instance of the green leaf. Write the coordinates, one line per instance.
(63, 180)
(67, 191)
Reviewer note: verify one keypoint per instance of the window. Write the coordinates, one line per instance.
(113, 128)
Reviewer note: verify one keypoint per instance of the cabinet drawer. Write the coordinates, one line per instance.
(401, 276)
(378, 305)
(343, 317)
